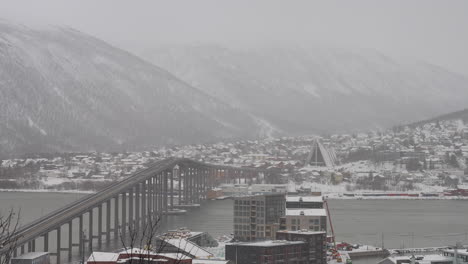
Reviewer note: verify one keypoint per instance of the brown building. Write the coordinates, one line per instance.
(268, 252)
(257, 217)
(316, 243)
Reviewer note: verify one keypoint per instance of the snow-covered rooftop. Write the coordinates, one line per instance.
(269, 243)
(304, 198)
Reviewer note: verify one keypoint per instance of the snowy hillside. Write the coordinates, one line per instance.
(61, 90)
(318, 89)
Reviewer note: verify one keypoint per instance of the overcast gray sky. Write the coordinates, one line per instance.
(434, 31)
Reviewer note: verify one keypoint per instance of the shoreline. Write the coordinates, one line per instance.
(47, 191)
(329, 196)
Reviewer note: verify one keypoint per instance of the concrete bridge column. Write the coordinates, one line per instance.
(99, 236)
(143, 203)
(174, 171)
(46, 242)
(196, 176)
(205, 181)
(108, 221)
(149, 187)
(130, 208)
(80, 235)
(191, 186)
(116, 216)
(155, 195)
(137, 206)
(70, 240)
(33, 245)
(90, 231)
(58, 243)
(123, 226)
(165, 192)
(186, 186)
(179, 184)
(160, 194)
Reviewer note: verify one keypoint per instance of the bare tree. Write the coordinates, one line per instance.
(148, 240)
(9, 223)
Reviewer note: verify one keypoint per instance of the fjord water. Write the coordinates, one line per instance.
(404, 223)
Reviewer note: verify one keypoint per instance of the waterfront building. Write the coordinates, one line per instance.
(257, 217)
(268, 188)
(316, 243)
(182, 246)
(202, 239)
(304, 219)
(448, 256)
(268, 252)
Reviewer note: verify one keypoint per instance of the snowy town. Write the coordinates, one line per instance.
(429, 160)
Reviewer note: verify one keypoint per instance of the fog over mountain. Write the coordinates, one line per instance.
(317, 89)
(61, 90)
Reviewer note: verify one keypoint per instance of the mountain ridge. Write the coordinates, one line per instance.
(331, 88)
(62, 90)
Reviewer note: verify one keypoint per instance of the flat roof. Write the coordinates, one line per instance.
(426, 259)
(268, 243)
(31, 255)
(209, 261)
(306, 212)
(460, 251)
(191, 248)
(304, 199)
(305, 232)
(103, 256)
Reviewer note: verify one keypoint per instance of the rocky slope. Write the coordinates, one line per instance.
(61, 90)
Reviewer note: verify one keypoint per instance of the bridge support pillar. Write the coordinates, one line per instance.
(123, 228)
(90, 231)
(155, 195)
(116, 216)
(165, 191)
(108, 220)
(172, 188)
(180, 185)
(70, 240)
(144, 195)
(99, 236)
(149, 188)
(130, 209)
(137, 207)
(80, 235)
(46, 242)
(58, 243)
(160, 194)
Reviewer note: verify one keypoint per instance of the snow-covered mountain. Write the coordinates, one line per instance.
(316, 89)
(61, 90)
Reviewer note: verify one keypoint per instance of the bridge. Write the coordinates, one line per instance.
(147, 194)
